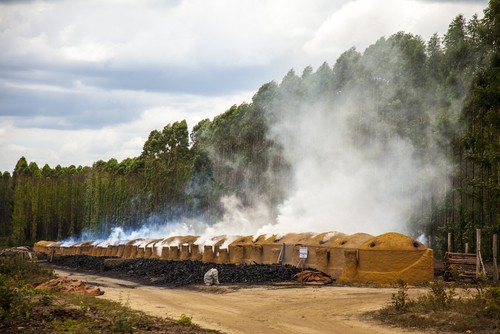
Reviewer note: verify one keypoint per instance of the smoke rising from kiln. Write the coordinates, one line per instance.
(341, 185)
(237, 220)
(353, 169)
(363, 156)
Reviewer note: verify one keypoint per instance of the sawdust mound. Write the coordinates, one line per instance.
(351, 241)
(44, 243)
(311, 276)
(70, 285)
(392, 241)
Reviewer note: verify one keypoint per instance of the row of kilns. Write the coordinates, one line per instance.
(357, 257)
(324, 251)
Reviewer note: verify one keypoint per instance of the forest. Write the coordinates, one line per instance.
(437, 101)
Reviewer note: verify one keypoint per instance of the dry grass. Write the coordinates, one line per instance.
(475, 309)
(24, 309)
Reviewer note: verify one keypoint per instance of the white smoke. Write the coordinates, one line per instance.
(350, 171)
(423, 239)
(339, 185)
(237, 220)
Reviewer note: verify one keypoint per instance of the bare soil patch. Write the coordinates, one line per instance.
(247, 309)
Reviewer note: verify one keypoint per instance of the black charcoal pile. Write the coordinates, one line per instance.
(181, 273)
(80, 262)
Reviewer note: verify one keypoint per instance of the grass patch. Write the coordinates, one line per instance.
(475, 309)
(24, 309)
(22, 271)
(185, 320)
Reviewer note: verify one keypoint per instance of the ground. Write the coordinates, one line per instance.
(243, 309)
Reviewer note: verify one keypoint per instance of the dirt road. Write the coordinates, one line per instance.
(271, 309)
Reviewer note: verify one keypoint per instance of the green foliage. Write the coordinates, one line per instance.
(492, 303)
(400, 300)
(121, 324)
(455, 273)
(22, 271)
(7, 297)
(440, 297)
(443, 309)
(17, 278)
(185, 320)
(84, 307)
(38, 311)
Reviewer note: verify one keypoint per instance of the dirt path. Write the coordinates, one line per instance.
(272, 310)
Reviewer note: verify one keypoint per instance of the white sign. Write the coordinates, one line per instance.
(303, 252)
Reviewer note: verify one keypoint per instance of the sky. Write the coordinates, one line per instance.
(82, 81)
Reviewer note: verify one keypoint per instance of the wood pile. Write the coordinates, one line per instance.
(24, 252)
(70, 285)
(313, 277)
(460, 265)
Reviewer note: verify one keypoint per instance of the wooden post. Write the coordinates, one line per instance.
(495, 253)
(450, 248)
(466, 248)
(478, 250)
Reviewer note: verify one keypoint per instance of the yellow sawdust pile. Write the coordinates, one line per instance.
(392, 241)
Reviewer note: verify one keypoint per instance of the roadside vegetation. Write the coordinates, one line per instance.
(24, 309)
(447, 306)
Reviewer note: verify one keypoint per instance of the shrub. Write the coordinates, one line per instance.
(23, 271)
(7, 297)
(440, 295)
(491, 303)
(441, 308)
(17, 278)
(185, 320)
(400, 299)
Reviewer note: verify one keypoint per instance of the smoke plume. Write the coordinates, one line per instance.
(362, 156)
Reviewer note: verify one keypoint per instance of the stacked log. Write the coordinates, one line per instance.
(460, 265)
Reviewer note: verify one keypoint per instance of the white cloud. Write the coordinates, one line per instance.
(214, 33)
(90, 51)
(360, 23)
(185, 33)
(120, 141)
(119, 64)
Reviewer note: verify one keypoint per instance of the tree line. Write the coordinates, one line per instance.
(440, 95)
